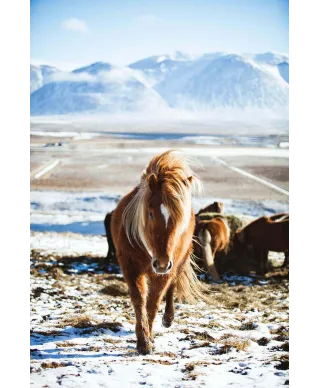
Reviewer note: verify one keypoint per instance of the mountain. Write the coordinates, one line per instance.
(116, 90)
(213, 83)
(274, 62)
(156, 68)
(40, 75)
(221, 80)
(95, 68)
(271, 58)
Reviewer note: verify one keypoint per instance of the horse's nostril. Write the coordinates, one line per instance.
(169, 265)
(155, 264)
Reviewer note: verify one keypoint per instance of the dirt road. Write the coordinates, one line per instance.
(114, 165)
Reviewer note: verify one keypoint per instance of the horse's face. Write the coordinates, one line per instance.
(162, 232)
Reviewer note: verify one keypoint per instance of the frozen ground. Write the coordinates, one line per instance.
(82, 326)
(84, 212)
(82, 322)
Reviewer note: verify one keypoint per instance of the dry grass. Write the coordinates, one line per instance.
(239, 344)
(283, 362)
(189, 369)
(111, 340)
(283, 347)
(52, 365)
(201, 345)
(66, 344)
(162, 362)
(116, 288)
(198, 335)
(47, 333)
(263, 341)
(250, 325)
(167, 354)
(281, 331)
(87, 322)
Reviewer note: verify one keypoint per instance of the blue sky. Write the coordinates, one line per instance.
(71, 33)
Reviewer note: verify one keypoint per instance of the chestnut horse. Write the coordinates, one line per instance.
(214, 236)
(152, 229)
(266, 234)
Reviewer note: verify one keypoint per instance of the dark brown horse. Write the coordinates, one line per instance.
(152, 229)
(266, 234)
(215, 207)
(111, 256)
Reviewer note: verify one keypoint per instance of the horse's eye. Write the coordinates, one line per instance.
(151, 215)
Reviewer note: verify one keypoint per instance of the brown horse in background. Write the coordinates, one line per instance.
(152, 229)
(215, 207)
(213, 236)
(111, 256)
(266, 234)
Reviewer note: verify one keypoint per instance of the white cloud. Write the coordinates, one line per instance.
(74, 24)
(148, 18)
(72, 77)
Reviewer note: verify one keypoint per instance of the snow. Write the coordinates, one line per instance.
(60, 244)
(73, 135)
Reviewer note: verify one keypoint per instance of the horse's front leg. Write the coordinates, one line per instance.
(168, 315)
(266, 261)
(286, 259)
(138, 294)
(157, 288)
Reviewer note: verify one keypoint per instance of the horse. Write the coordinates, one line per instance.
(214, 236)
(266, 234)
(215, 207)
(111, 256)
(152, 229)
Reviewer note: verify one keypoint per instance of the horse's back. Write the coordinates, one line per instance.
(278, 235)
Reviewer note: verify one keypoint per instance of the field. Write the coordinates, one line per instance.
(82, 322)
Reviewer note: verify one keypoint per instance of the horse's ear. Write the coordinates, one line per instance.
(153, 182)
(188, 180)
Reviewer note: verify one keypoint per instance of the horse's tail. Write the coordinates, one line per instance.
(189, 288)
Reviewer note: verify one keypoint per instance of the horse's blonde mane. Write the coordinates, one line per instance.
(177, 181)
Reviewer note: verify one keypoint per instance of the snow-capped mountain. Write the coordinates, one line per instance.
(207, 84)
(40, 75)
(113, 91)
(271, 58)
(95, 68)
(156, 68)
(221, 80)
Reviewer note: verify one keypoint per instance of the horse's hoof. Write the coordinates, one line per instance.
(166, 322)
(144, 349)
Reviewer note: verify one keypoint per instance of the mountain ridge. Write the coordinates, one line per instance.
(206, 83)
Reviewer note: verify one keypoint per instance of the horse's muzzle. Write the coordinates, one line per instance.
(160, 269)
